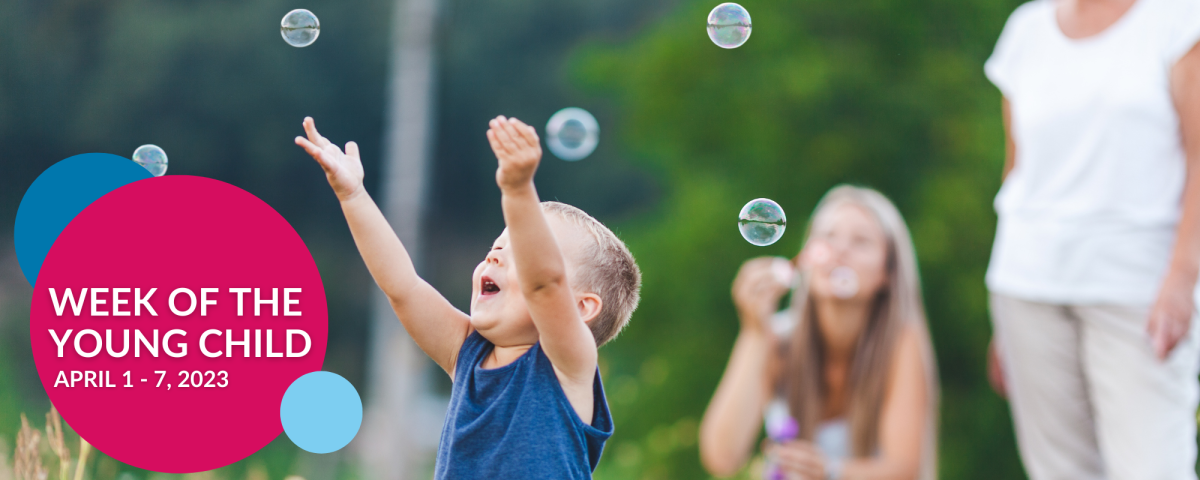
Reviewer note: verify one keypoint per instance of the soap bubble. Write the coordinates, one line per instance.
(572, 134)
(729, 25)
(762, 222)
(843, 282)
(300, 28)
(152, 158)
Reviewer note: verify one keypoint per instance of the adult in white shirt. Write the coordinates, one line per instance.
(1098, 243)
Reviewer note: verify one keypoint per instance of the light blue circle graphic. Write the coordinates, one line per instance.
(321, 412)
(58, 195)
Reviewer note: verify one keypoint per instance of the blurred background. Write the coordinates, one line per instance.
(886, 94)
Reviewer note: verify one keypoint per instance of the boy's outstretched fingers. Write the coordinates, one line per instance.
(493, 135)
(504, 136)
(532, 132)
(514, 133)
(314, 151)
(495, 142)
(530, 135)
(519, 132)
(310, 129)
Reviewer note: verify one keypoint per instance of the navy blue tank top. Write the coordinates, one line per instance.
(516, 422)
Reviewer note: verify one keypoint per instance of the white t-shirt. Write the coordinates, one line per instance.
(1089, 213)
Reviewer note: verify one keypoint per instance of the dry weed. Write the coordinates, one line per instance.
(54, 436)
(28, 461)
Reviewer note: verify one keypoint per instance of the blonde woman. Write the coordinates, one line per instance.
(845, 377)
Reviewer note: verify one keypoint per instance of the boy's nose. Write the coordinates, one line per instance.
(493, 258)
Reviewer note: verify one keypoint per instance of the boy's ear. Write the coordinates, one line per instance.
(589, 305)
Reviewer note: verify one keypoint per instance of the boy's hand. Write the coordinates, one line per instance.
(517, 148)
(343, 170)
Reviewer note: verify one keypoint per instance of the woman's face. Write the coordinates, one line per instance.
(847, 253)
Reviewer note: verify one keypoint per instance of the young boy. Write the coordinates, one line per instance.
(527, 401)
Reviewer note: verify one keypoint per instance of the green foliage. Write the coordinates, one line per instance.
(885, 94)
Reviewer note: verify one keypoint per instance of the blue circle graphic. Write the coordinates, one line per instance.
(321, 412)
(58, 195)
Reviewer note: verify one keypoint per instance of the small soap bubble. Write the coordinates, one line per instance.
(300, 28)
(762, 222)
(572, 134)
(152, 158)
(729, 25)
(843, 282)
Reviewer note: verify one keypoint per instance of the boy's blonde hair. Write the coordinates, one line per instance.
(608, 271)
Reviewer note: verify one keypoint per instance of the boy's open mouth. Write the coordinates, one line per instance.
(488, 287)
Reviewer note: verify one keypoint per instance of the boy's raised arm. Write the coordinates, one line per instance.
(537, 257)
(437, 327)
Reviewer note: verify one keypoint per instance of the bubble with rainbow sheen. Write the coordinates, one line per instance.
(729, 25)
(300, 28)
(572, 134)
(762, 222)
(152, 158)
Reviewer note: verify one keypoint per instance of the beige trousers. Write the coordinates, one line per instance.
(1089, 399)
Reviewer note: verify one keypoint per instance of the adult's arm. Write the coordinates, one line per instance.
(1171, 316)
(995, 368)
(734, 416)
(1010, 147)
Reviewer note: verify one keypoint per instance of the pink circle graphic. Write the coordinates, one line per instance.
(184, 405)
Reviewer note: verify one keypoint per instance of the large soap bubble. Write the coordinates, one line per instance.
(300, 28)
(762, 222)
(729, 25)
(151, 157)
(572, 134)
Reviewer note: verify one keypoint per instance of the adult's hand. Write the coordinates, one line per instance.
(757, 291)
(995, 370)
(1171, 316)
(798, 460)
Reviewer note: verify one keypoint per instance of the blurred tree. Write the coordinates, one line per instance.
(403, 414)
(886, 94)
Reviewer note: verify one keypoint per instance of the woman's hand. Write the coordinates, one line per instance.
(1171, 316)
(757, 290)
(798, 460)
(995, 370)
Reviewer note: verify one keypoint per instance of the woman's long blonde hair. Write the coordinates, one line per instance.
(897, 305)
